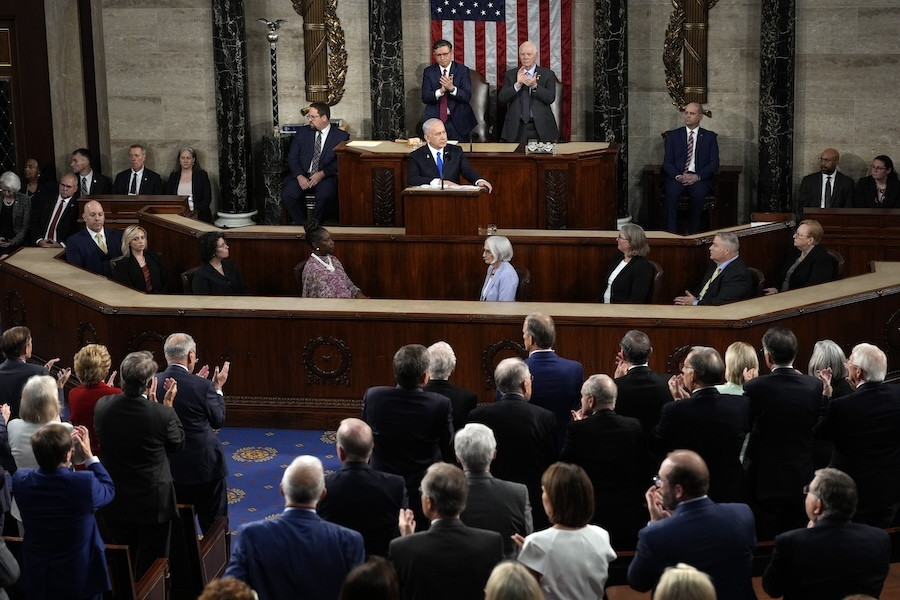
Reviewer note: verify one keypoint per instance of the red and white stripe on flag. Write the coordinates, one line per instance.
(486, 35)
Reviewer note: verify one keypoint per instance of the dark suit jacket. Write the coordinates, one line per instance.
(136, 435)
(200, 410)
(461, 119)
(717, 539)
(706, 153)
(633, 283)
(151, 183)
(423, 168)
(66, 226)
(556, 386)
(810, 194)
(462, 401)
(201, 190)
(128, 272)
(834, 559)
(302, 148)
(784, 408)
(500, 506)
(63, 553)
(13, 375)
(865, 427)
(642, 394)
(865, 193)
(541, 98)
(100, 184)
(208, 281)
(733, 283)
(817, 267)
(82, 251)
(448, 562)
(367, 501)
(713, 426)
(296, 555)
(526, 445)
(613, 452)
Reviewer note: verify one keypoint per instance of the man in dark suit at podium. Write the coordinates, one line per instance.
(446, 90)
(438, 164)
(313, 167)
(138, 180)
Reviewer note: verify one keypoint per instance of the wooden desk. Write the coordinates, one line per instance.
(573, 189)
(725, 190)
(122, 210)
(861, 235)
(446, 212)
(306, 363)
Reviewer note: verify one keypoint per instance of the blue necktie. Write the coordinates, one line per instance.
(440, 164)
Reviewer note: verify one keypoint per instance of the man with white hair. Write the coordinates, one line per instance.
(493, 504)
(528, 91)
(865, 428)
(442, 365)
(299, 554)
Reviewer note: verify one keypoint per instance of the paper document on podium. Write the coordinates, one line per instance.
(434, 186)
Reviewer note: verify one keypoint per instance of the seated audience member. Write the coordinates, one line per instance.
(827, 187)
(16, 370)
(629, 277)
(38, 185)
(217, 275)
(324, 275)
(138, 180)
(684, 582)
(63, 555)
(728, 280)
(881, 189)
(613, 452)
(438, 164)
(188, 179)
(441, 365)
(40, 405)
(90, 182)
(705, 421)
(227, 588)
(414, 428)
(571, 558)
(501, 281)
(686, 526)
(525, 433)
(359, 497)
(492, 504)
(641, 393)
(375, 579)
(450, 560)
(139, 267)
(54, 220)
(511, 581)
(831, 557)
(93, 247)
(299, 554)
(15, 214)
(865, 427)
(92, 364)
(808, 264)
(741, 365)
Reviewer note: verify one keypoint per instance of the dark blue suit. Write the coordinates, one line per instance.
(295, 555)
(717, 539)
(63, 553)
(556, 386)
(423, 168)
(299, 159)
(82, 251)
(14, 372)
(199, 470)
(151, 183)
(461, 119)
(706, 161)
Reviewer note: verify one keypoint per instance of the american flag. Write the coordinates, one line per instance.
(486, 35)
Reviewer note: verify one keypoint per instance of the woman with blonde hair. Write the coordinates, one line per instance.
(684, 582)
(92, 364)
(139, 268)
(741, 365)
(629, 277)
(511, 581)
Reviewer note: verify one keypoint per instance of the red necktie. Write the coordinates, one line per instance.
(51, 231)
(444, 103)
(690, 152)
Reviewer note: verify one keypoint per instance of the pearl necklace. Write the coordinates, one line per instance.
(329, 266)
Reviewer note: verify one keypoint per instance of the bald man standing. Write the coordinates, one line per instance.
(528, 91)
(94, 246)
(828, 187)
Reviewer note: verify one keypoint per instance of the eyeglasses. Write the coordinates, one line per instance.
(312, 117)
(808, 490)
(441, 54)
(797, 234)
(658, 481)
(877, 168)
(619, 237)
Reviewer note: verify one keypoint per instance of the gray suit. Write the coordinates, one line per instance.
(500, 506)
(541, 98)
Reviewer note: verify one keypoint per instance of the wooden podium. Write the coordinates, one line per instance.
(432, 211)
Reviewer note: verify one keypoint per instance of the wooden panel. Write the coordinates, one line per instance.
(122, 210)
(446, 212)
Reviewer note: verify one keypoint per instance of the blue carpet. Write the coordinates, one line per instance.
(256, 461)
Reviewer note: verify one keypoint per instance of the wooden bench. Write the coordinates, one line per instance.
(197, 560)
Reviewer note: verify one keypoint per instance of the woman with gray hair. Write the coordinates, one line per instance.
(188, 179)
(15, 213)
(501, 281)
(441, 365)
(828, 363)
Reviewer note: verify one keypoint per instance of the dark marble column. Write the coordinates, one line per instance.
(776, 106)
(386, 70)
(611, 85)
(232, 114)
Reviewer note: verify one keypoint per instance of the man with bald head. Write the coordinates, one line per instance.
(687, 527)
(359, 497)
(528, 91)
(827, 187)
(690, 164)
(297, 555)
(54, 221)
(94, 246)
